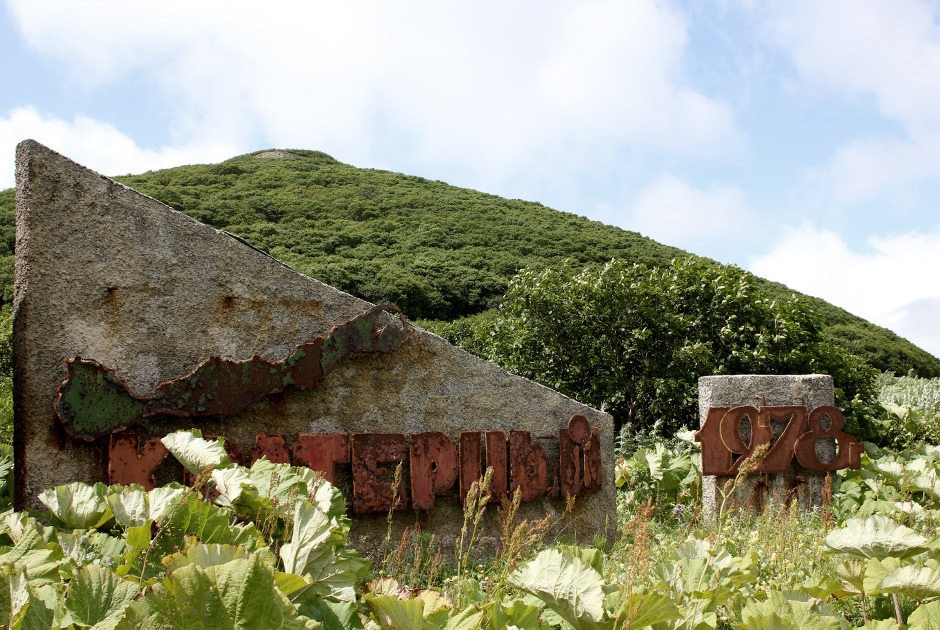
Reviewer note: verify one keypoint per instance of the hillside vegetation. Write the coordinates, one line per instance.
(438, 251)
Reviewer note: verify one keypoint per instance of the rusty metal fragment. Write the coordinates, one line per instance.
(730, 431)
(569, 464)
(716, 459)
(273, 447)
(579, 429)
(497, 460)
(92, 401)
(593, 471)
(321, 452)
(369, 450)
(780, 455)
(433, 467)
(471, 461)
(850, 449)
(129, 464)
(528, 466)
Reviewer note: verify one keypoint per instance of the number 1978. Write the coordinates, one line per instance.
(723, 447)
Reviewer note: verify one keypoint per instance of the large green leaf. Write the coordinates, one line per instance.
(789, 611)
(189, 514)
(567, 585)
(395, 614)
(916, 582)
(203, 556)
(516, 613)
(21, 607)
(195, 453)
(78, 505)
(133, 506)
(333, 615)
(467, 619)
(316, 551)
(98, 547)
(876, 571)
(240, 594)
(643, 608)
(32, 554)
(311, 533)
(186, 516)
(926, 617)
(876, 537)
(98, 596)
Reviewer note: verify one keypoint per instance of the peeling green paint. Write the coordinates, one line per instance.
(92, 401)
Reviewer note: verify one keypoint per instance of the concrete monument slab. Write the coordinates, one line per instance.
(120, 290)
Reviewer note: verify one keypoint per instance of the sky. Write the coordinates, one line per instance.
(797, 139)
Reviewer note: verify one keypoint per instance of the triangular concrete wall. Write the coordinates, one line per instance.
(112, 275)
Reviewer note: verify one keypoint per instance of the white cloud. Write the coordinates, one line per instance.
(886, 51)
(703, 221)
(90, 142)
(862, 169)
(494, 87)
(893, 285)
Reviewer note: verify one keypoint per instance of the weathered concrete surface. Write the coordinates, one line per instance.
(812, 390)
(110, 274)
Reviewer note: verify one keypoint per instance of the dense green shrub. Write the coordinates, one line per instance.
(633, 340)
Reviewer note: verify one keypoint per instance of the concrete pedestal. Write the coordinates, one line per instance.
(804, 485)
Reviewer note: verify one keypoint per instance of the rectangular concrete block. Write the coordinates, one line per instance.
(812, 390)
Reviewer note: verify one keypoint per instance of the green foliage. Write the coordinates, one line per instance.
(911, 409)
(633, 340)
(169, 558)
(668, 478)
(436, 250)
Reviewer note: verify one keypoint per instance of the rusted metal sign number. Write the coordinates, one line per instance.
(723, 447)
(435, 463)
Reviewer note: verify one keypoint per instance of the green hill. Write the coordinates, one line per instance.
(438, 251)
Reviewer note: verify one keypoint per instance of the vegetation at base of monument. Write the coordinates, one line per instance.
(436, 250)
(270, 550)
(633, 340)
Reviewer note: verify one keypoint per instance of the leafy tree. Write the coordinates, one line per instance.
(634, 340)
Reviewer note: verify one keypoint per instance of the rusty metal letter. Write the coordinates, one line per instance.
(274, 447)
(471, 461)
(850, 449)
(780, 455)
(593, 471)
(433, 467)
(716, 459)
(321, 452)
(528, 465)
(497, 460)
(127, 464)
(569, 460)
(368, 451)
